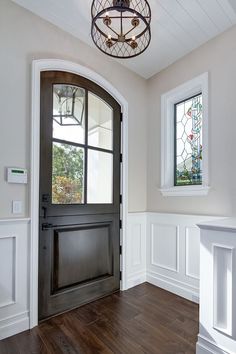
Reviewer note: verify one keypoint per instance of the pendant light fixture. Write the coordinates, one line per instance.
(121, 28)
(68, 102)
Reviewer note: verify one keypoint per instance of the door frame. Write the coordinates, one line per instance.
(62, 65)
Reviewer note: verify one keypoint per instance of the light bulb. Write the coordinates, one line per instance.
(109, 36)
(106, 19)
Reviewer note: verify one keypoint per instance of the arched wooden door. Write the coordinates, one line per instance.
(79, 193)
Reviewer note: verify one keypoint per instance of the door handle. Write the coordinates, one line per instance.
(44, 212)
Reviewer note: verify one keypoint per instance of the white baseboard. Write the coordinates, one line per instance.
(174, 286)
(205, 346)
(136, 279)
(13, 325)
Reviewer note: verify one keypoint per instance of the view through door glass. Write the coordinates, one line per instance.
(79, 193)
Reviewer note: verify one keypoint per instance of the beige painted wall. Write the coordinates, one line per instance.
(218, 57)
(24, 37)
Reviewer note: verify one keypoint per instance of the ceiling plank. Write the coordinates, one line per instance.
(168, 22)
(200, 17)
(229, 7)
(184, 20)
(216, 13)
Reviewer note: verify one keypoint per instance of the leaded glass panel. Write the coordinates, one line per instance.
(188, 141)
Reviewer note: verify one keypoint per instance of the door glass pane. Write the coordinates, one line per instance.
(67, 174)
(100, 177)
(100, 123)
(68, 113)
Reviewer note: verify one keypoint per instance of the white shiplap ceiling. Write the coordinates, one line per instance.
(178, 26)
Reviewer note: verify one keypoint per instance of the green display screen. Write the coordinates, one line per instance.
(18, 171)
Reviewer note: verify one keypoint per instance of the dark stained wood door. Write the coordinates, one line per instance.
(79, 219)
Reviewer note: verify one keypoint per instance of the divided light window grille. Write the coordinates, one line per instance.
(188, 141)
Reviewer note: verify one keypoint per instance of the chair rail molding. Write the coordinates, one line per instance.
(61, 65)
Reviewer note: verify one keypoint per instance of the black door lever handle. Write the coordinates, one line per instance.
(47, 226)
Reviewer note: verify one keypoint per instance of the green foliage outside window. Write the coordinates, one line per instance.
(68, 174)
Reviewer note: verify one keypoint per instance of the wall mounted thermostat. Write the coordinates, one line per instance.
(17, 175)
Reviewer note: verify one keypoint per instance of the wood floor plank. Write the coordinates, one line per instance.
(19, 343)
(142, 320)
(116, 337)
(86, 341)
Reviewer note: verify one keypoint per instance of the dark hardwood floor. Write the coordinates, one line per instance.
(144, 319)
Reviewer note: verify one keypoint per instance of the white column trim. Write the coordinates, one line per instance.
(61, 65)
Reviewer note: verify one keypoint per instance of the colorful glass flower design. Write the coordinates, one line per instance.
(188, 141)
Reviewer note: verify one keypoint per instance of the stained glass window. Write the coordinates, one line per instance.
(188, 141)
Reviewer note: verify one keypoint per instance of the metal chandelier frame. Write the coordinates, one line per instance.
(121, 44)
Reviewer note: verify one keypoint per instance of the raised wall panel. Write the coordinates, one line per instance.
(7, 271)
(136, 250)
(136, 244)
(164, 246)
(192, 259)
(173, 250)
(222, 288)
(14, 276)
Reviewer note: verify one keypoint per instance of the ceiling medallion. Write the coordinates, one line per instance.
(121, 28)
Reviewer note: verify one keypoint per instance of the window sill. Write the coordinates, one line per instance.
(185, 191)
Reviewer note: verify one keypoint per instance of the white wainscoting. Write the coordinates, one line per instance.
(136, 249)
(164, 250)
(173, 252)
(14, 276)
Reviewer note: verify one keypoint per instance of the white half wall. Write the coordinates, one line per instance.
(14, 276)
(217, 322)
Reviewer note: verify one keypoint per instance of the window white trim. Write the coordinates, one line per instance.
(197, 85)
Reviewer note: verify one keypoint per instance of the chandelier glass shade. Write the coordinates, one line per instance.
(121, 28)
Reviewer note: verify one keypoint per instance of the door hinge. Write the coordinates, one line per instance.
(121, 158)
(120, 275)
(120, 224)
(120, 198)
(121, 117)
(120, 249)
